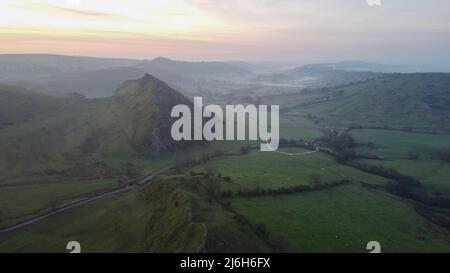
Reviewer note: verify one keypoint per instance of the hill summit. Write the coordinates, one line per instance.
(143, 107)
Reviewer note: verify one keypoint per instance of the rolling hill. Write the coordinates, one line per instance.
(418, 102)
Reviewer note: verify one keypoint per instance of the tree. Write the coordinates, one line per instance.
(336, 141)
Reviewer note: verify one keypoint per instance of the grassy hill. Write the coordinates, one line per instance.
(402, 101)
(42, 134)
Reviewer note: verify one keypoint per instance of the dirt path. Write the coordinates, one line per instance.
(302, 153)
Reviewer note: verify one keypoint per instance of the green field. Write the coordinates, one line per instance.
(394, 147)
(275, 170)
(397, 144)
(19, 202)
(344, 219)
(270, 169)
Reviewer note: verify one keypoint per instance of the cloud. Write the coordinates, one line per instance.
(72, 9)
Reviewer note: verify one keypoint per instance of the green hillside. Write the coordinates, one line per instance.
(46, 135)
(419, 102)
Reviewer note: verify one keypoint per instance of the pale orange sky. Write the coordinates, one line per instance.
(277, 30)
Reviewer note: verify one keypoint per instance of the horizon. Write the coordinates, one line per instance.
(286, 63)
(251, 31)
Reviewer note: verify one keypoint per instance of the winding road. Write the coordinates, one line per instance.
(138, 183)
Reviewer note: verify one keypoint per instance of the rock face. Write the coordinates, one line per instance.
(143, 107)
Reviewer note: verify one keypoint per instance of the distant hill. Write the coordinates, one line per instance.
(386, 68)
(91, 83)
(404, 101)
(39, 133)
(18, 105)
(19, 66)
(60, 75)
(200, 69)
(317, 76)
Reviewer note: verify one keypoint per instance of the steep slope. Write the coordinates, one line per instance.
(43, 134)
(142, 109)
(403, 101)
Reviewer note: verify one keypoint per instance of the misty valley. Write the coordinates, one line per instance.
(88, 154)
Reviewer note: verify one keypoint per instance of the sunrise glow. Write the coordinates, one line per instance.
(248, 29)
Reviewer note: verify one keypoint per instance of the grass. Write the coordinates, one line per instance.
(19, 202)
(274, 170)
(397, 144)
(358, 175)
(115, 224)
(270, 169)
(394, 147)
(155, 218)
(297, 127)
(344, 219)
(170, 227)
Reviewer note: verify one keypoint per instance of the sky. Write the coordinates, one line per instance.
(388, 31)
